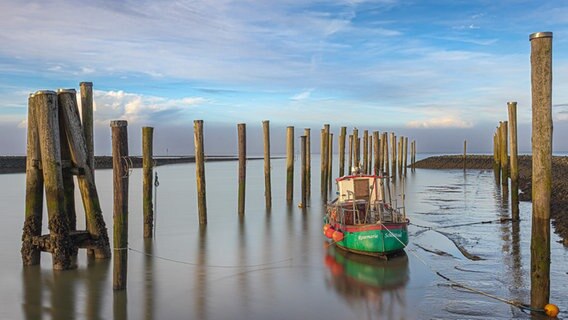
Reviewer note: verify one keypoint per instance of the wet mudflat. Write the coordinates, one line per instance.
(277, 264)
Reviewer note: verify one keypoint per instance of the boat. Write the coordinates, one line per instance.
(361, 220)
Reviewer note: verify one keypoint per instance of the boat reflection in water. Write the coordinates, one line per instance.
(372, 287)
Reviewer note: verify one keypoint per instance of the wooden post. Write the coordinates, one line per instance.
(326, 157)
(504, 155)
(376, 166)
(412, 155)
(330, 162)
(200, 171)
(405, 154)
(87, 120)
(120, 208)
(512, 108)
(48, 126)
(365, 168)
(496, 156)
(350, 154)
(386, 153)
(464, 154)
(77, 145)
(242, 141)
(67, 170)
(34, 190)
(342, 136)
(541, 84)
(393, 153)
(356, 153)
(400, 148)
(304, 171)
(323, 165)
(267, 184)
(147, 175)
(370, 163)
(289, 163)
(308, 162)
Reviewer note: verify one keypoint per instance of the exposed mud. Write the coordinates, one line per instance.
(559, 197)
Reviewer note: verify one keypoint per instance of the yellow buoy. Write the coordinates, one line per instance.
(551, 310)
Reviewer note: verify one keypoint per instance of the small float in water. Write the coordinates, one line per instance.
(359, 220)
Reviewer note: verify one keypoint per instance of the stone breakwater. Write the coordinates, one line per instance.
(559, 197)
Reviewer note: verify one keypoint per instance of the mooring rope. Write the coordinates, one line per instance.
(502, 220)
(457, 284)
(206, 265)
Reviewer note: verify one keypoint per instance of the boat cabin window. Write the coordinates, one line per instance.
(361, 188)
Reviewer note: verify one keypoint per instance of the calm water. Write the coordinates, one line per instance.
(276, 265)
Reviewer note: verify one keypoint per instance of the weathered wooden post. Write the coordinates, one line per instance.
(399, 155)
(48, 126)
(67, 169)
(323, 164)
(120, 207)
(342, 136)
(412, 154)
(512, 108)
(289, 163)
(405, 155)
(350, 154)
(34, 190)
(77, 145)
(496, 156)
(330, 162)
(200, 171)
(147, 183)
(464, 154)
(365, 168)
(356, 153)
(370, 163)
(304, 171)
(376, 143)
(267, 184)
(308, 162)
(541, 84)
(87, 120)
(393, 160)
(504, 154)
(386, 153)
(242, 142)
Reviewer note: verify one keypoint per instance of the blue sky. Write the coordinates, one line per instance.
(437, 71)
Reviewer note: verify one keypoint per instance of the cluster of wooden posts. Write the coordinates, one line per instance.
(506, 167)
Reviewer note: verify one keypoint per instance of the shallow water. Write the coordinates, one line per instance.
(277, 264)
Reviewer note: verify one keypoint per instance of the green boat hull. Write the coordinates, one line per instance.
(375, 242)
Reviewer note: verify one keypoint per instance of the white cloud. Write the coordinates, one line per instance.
(302, 95)
(137, 108)
(441, 122)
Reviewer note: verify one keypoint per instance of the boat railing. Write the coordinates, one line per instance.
(363, 212)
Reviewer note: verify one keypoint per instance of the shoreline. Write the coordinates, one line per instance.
(559, 196)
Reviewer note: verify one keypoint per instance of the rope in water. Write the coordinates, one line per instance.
(517, 304)
(204, 265)
(502, 220)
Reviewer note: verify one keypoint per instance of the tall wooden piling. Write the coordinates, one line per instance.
(376, 150)
(496, 156)
(77, 145)
(400, 146)
(349, 168)
(120, 207)
(147, 175)
(356, 148)
(330, 162)
(34, 190)
(200, 171)
(242, 142)
(87, 120)
(386, 154)
(365, 168)
(342, 136)
(464, 154)
(304, 171)
(308, 162)
(323, 163)
(512, 108)
(405, 154)
(393, 154)
(267, 183)
(541, 84)
(67, 168)
(289, 163)
(370, 163)
(504, 154)
(48, 126)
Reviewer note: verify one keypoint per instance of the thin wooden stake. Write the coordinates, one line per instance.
(504, 155)
(147, 185)
(342, 136)
(308, 162)
(512, 108)
(304, 171)
(200, 171)
(365, 168)
(289, 163)
(242, 142)
(267, 183)
(377, 153)
(120, 208)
